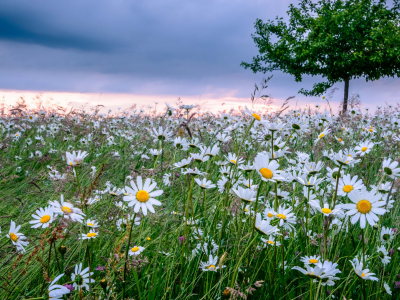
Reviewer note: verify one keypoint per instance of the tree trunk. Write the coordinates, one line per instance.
(346, 94)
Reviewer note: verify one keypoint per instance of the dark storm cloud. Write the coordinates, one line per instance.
(149, 47)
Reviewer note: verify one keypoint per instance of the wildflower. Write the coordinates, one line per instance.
(326, 211)
(233, 159)
(348, 184)
(364, 147)
(67, 210)
(390, 168)
(80, 277)
(205, 184)
(365, 206)
(387, 235)
(90, 235)
(264, 227)
(56, 291)
(247, 195)
(266, 169)
(141, 195)
(136, 250)
(251, 113)
(18, 239)
(360, 272)
(43, 218)
(307, 260)
(92, 223)
(75, 158)
(211, 264)
(383, 254)
(387, 288)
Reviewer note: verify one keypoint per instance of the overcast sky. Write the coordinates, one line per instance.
(190, 48)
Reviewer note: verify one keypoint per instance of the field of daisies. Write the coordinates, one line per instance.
(184, 204)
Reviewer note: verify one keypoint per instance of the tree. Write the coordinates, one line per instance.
(337, 39)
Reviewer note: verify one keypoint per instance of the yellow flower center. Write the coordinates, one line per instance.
(363, 149)
(211, 267)
(257, 117)
(30, 117)
(340, 140)
(321, 135)
(270, 215)
(364, 206)
(135, 249)
(90, 224)
(142, 196)
(233, 161)
(281, 216)
(266, 173)
(91, 234)
(326, 210)
(313, 261)
(66, 209)
(13, 237)
(246, 210)
(370, 130)
(270, 242)
(347, 188)
(362, 275)
(45, 219)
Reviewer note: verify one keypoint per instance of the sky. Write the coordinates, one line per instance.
(124, 52)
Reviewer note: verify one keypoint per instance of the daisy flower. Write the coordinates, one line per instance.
(286, 217)
(211, 264)
(251, 113)
(56, 291)
(360, 272)
(67, 210)
(43, 218)
(270, 241)
(326, 211)
(141, 195)
(75, 158)
(322, 135)
(18, 239)
(308, 260)
(364, 147)
(91, 223)
(81, 277)
(339, 140)
(247, 195)
(387, 288)
(90, 235)
(365, 206)
(264, 227)
(268, 170)
(135, 250)
(348, 184)
(383, 254)
(390, 168)
(204, 183)
(233, 159)
(387, 235)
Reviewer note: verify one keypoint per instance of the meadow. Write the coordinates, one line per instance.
(184, 204)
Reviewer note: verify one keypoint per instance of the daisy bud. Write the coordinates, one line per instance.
(103, 284)
(62, 250)
(376, 226)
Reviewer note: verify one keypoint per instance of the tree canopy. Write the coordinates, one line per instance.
(339, 40)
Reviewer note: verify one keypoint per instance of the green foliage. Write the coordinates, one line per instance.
(338, 40)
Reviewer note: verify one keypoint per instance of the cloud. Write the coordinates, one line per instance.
(154, 47)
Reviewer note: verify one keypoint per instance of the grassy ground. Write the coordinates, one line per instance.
(193, 223)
